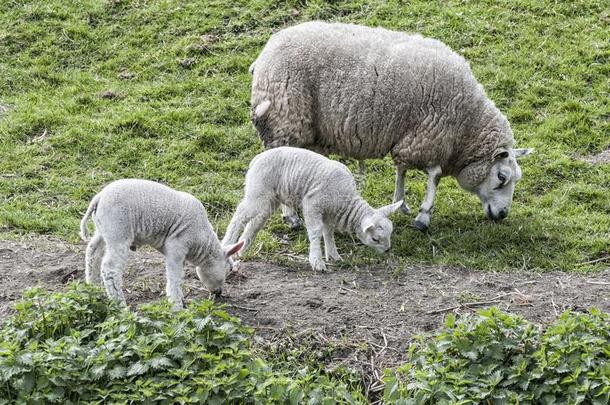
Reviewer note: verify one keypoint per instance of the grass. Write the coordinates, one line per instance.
(100, 90)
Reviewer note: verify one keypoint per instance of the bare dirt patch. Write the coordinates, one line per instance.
(598, 159)
(367, 316)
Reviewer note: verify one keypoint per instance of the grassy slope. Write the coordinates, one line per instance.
(181, 116)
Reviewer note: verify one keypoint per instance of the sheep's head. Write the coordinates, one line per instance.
(376, 229)
(214, 272)
(494, 182)
(275, 130)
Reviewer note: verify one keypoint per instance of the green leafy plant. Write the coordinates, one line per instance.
(498, 358)
(573, 362)
(78, 346)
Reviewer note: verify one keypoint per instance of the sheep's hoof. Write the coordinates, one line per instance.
(293, 222)
(404, 208)
(420, 226)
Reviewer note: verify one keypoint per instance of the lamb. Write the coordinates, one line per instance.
(326, 192)
(131, 212)
(365, 92)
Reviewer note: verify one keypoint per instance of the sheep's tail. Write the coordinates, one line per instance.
(84, 234)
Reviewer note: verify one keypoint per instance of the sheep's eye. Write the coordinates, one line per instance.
(501, 177)
(375, 240)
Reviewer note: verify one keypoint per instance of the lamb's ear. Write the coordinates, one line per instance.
(232, 249)
(388, 210)
(519, 153)
(501, 153)
(367, 224)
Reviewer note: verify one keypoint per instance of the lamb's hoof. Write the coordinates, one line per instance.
(335, 258)
(420, 226)
(404, 208)
(293, 222)
(318, 265)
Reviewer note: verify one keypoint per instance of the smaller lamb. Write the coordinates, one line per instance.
(129, 213)
(326, 192)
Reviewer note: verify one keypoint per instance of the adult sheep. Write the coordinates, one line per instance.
(365, 92)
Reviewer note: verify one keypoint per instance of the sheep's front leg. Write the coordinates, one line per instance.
(399, 188)
(315, 227)
(290, 216)
(422, 221)
(174, 268)
(330, 248)
(113, 263)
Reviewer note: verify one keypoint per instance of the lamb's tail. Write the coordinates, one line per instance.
(84, 234)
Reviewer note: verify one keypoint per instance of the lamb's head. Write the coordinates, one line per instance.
(216, 267)
(376, 229)
(494, 181)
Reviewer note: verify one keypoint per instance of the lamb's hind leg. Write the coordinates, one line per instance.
(422, 221)
(113, 263)
(93, 259)
(399, 188)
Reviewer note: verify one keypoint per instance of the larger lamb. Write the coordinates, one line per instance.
(323, 188)
(132, 212)
(365, 92)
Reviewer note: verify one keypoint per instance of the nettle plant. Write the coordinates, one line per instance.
(497, 358)
(79, 346)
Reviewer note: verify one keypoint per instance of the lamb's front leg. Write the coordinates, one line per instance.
(422, 221)
(315, 226)
(290, 217)
(174, 272)
(330, 248)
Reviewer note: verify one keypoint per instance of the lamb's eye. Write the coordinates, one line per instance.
(375, 240)
(501, 177)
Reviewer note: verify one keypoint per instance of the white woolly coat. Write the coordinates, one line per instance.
(144, 212)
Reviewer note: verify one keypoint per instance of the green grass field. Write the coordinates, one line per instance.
(100, 90)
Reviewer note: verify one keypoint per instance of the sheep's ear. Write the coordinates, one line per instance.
(232, 249)
(388, 210)
(501, 154)
(519, 153)
(261, 109)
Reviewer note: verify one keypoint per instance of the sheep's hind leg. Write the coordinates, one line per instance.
(113, 263)
(93, 259)
(422, 221)
(290, 217)
(399, 188)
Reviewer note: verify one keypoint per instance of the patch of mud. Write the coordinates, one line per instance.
(366, 315)
(598, 159)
